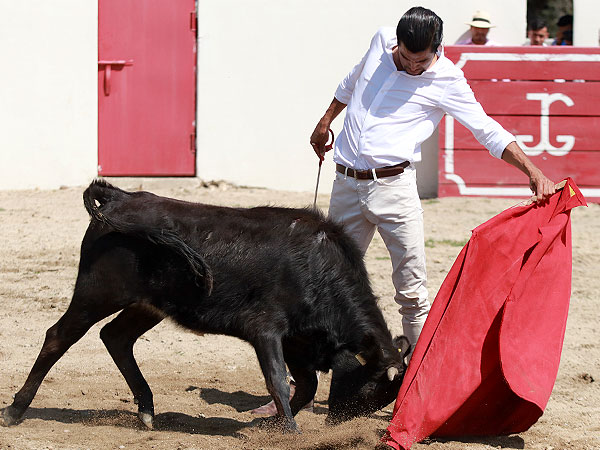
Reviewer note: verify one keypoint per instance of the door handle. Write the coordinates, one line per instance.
(108, 68)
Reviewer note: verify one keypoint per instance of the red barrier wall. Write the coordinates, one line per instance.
(548, 97)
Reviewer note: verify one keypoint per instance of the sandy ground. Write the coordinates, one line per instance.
(204, 386)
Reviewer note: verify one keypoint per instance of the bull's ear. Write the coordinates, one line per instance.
(402, 344)
(345, 361)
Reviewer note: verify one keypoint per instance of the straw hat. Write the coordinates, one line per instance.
(481, 19)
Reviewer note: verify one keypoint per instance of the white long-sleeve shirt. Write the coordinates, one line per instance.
(390, 113)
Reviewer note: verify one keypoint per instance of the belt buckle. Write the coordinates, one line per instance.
(361, 174)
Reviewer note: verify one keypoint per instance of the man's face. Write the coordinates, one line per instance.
(537, 37)
(415, 63)
(479, 35)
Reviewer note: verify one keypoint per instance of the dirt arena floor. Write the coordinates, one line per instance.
(204, 386)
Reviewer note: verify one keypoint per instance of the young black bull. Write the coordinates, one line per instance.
(288, 281)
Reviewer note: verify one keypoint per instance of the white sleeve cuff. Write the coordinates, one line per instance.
(502, 142)
(343, 95)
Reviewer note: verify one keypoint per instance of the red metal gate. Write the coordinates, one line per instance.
(146, 87)
(548, 97)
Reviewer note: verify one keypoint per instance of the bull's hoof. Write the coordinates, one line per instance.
(147, 419)
(9, 417)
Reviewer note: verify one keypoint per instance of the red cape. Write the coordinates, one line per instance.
(488, 355)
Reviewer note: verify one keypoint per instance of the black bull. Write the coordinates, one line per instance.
(288, 281)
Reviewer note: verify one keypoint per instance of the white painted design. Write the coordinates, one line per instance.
(590, 192)
(550, 57)
(496, 191)
(544, 144)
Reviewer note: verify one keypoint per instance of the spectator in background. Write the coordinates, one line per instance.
(564, 35)
(480, 27)
(567, 38)
(537, 31)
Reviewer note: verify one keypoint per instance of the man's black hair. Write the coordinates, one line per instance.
(420, 29)
(567, 19)
(536, 23)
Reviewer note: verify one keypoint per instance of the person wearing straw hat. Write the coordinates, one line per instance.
(480, 27)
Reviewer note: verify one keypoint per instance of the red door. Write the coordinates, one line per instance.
(146, 87)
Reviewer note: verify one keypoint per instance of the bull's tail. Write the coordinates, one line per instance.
(100, 194)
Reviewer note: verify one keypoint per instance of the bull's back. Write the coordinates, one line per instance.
(285, 266)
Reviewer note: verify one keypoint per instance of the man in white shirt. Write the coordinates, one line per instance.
(394, 98)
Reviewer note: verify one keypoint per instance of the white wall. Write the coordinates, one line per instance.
(586, 26)
(48, 93)
(268, 69)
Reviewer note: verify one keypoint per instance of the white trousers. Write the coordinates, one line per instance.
(392, 206)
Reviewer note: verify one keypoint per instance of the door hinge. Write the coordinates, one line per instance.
(193, 22)
(193, 142)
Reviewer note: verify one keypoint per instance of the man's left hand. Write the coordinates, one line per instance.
(541, 186)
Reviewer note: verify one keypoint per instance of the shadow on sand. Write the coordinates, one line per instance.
(243, 402)
(168, 421)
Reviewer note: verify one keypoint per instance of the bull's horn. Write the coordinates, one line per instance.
(392, 372)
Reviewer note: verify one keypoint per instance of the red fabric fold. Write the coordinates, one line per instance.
(488, 355)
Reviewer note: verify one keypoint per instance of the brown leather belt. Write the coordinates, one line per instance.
(382, 172)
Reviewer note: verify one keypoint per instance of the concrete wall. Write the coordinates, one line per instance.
(586, 27)
(48, 93)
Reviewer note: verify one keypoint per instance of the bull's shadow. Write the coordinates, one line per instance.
(168, 421)
(243, 401)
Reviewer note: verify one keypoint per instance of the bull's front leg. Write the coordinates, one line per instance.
(270, 356)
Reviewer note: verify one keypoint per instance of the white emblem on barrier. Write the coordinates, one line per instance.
(463, 188)
(544, 144)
